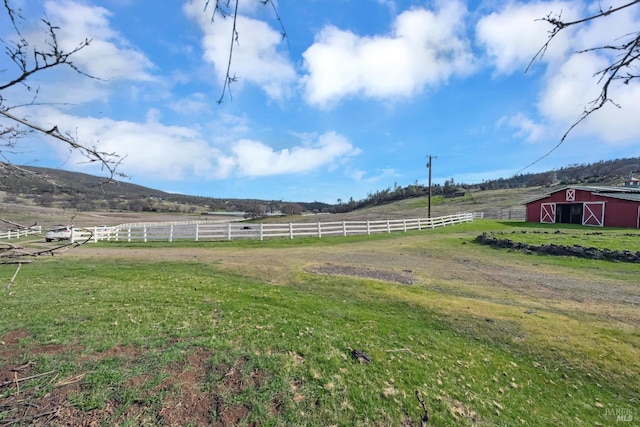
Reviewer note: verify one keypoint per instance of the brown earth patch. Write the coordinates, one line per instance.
(193, 390)
(232, 381)
(405, 278)
(13, 338)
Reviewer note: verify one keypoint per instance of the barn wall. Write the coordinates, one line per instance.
(533, 211)
(621, 213)
(618, 213)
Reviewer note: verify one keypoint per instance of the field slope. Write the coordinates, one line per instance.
(262, 333)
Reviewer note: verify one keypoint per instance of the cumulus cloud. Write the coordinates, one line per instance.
(513, 35)
(174, 152)
(254, 158)
(573, 88)
(147, 148)
(256, 58)
(109, 55)
(425, 48)
(570, 80)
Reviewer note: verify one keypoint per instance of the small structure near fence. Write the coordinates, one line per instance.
(261, 231)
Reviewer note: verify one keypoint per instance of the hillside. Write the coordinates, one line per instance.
(57, 196)
(55, 188)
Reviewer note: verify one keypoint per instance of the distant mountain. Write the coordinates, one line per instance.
(58, 181)
(56, 187)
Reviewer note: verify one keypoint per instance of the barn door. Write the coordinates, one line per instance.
(548, 213)
(593, 214)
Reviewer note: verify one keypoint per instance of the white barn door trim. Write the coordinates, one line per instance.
(548, 213)
(593, 214)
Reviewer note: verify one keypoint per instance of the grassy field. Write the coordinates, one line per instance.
(261, 333)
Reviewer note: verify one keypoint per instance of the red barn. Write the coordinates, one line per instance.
(597, 206)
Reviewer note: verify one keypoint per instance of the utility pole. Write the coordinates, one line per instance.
(429, 167)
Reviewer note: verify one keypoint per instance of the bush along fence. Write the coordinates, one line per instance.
(261, 231)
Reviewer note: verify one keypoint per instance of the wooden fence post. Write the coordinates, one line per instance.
(291, 230)
(171, 233)
(319, 230)
(197, 232)
(228, 231)
(344, 228)
(261, 232)
(368, 228)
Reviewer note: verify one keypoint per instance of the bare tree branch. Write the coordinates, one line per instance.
(109, 161)
(624, 68)
(15, 254)
(29, 61)
(223, 8)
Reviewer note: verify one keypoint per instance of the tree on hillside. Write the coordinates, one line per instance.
(22, 61)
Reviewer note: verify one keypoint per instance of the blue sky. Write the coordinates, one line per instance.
(354, 100)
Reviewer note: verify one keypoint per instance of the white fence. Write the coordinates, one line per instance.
(21, 232)
(261, 231)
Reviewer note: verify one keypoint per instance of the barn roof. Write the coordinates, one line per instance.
(623, 193)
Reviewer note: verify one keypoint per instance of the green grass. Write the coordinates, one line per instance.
(128, 325)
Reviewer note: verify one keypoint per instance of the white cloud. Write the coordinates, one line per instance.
(570, 82)
(256, 58)
(526, 128)
(513, 35)
(109, 55)
(254, 158)
(425, 48)
(148, 149)
(572, 89)
(155, 150)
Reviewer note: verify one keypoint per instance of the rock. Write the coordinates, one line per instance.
(360, 356)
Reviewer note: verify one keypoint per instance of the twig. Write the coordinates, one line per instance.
(55, 412)
(232, 329)
(425, 417)
(17, 380)
(69, 380)
(14, 275)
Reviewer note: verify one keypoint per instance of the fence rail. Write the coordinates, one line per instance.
(20, 232)
(261, 231)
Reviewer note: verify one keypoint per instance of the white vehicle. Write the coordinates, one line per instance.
(59, 232)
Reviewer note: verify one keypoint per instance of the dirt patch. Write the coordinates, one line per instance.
(13, 338)
(405, 278)
(186, 399)
(192, 389)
